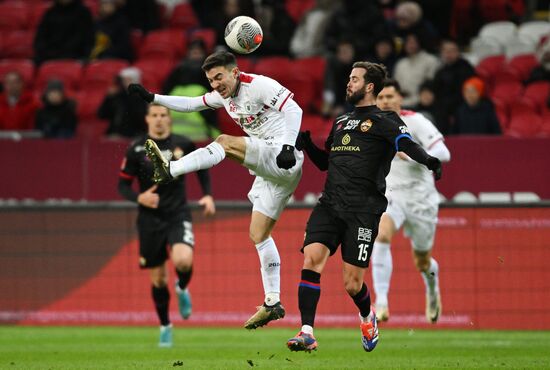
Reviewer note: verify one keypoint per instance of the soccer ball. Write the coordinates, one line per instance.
(243, 34)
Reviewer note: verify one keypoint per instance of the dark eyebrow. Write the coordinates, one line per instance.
(216, 76)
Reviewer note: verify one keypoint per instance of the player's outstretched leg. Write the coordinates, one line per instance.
(264, 315)
(161, 166)
(184, 300)
(165, 340)
(433, 296)
(369, 331)
(302, 342)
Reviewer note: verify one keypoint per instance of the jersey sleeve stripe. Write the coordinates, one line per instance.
(282, 105)
(125, 176)
(400, 137)
(205, 103)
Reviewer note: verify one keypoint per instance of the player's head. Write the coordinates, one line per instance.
(365, 82)
(222, 72)
(159, 121)
(390, 98)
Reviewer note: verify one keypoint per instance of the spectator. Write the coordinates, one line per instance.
(277, 26)
(125, 112)
(477, 114)
(188, 79)
(17, 106)
(426, 101)
(57, 117)
(336, 79)
(359, 21)
(412, 70)
(408, 19)
(66, 31)
(448, 81)
(384, 53)
(142, 14)
(112, 33)
(308, 40)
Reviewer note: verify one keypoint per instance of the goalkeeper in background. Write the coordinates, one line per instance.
(266, 112)
(164, 219)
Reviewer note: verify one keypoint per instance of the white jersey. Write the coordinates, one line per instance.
(256, 106)
(404, 174)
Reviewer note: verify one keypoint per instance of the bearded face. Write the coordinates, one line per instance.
(356, 96)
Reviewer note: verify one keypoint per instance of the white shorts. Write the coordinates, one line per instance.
(417, 213)
(273, 186)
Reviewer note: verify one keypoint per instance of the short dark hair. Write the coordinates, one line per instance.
(376, 73)
(219, 59)
(390, 82)
(156, 105)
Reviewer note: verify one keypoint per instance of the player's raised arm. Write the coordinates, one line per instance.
(177, 103)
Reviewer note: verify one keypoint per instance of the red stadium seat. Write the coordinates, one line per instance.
(99, 75)
(136, 38)
(88, 101)
(489, 67)
(523, 65)
(24, 66)
(154, 72)
(539, 93)
(317, 125)
(163, 44)
(227, 125)
(17, 44)
(297, 8)
(14, 15)
(507, 91)
(314, 69)
(246, 64)
(66, 70)
(523, 105)
(525, 125)
(91, 129)
(36, 13)
(207, 35)
(501, 110)
(183, 17)
(545, 128)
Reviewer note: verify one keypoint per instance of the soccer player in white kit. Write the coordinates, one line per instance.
(267, 113)
(413, 203)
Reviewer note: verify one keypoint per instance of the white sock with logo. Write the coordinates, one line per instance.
(200, 159)
(382, 267)
(271, 270)
(431, 277)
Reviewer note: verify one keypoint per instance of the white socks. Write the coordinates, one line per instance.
(271, 270)
(431, 277)
(307, 329)
(382, 266)
(200, 159)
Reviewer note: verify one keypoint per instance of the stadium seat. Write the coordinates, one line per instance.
(524, 125)
(163, 44)
(297, 8)
(495, 197)
(501, 109)
(136, 38)
(207, 35)
(523, 105)
(523, 64)
(14, 15)
(183, 17)
(485, 47)
(500, 10)
(24, 66)
(500, 30)
(99, 74)
(316, 125)
(314, 69)
(508, 91)
(154, 72)
(36, 13)
(518, 46)
(488, 67)
(227, 125)
(246, 65)
(88, 101)
(66, 70)
(533, 31)
(91, 129)
(17, 44)
(539, 93)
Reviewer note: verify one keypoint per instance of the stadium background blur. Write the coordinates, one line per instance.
(68, 244)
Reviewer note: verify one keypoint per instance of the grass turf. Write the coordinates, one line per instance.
(233, 348)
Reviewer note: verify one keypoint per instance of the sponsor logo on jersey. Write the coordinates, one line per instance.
(365, 125)
(352, 124)
(346, 139)
(178, 152)
(345, 148)
(364, 234)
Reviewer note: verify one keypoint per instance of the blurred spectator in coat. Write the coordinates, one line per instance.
(112, 33)
(308, 39)
(66, 31)
(408, 19)
(17, 106)
(476, 115)
(125, 112)
(415, 68)
(384, 52)
(448, 81)
(360, 21)
(143, 15)
(57, 117)
(277, 26)
(336, 79)
(426, 101)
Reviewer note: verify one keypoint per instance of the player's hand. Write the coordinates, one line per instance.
(434, 165)
(139, 90)
(149, 198)
(303, 140)
(286, 159)
(208, 203)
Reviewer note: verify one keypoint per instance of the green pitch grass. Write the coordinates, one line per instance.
(73, 348)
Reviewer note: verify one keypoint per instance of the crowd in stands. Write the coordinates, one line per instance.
(471, 66)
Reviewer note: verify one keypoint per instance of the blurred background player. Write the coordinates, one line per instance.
(358, 153)
(413, 203)
(164, 218)
(265, 110)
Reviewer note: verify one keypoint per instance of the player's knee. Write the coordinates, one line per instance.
(353, 284)
(159, 281)
(258, 236)
(310, 263)
(183, 264)
(225, 141)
